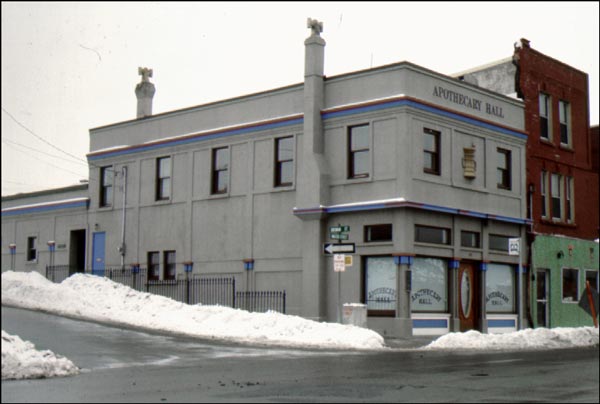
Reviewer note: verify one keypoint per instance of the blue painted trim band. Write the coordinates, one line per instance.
(430, 323)
(299, 119)
(406, 204)
(45, 208)
(197, 137)
(411, 102)
(502, 323)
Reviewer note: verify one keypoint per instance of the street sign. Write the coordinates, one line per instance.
(348, 260)
(338, 236)
(339, 263)
(331, 248)
(514, 246)
(339, 229)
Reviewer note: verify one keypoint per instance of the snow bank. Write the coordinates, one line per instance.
(20, 360)
(99, 299)
(529, 339)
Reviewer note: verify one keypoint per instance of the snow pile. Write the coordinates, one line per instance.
(20, 360)
(529, 339)
(99, 299)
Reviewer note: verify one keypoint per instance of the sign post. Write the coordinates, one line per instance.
(339, 233)
(514, 248)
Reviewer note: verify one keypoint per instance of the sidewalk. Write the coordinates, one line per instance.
(413, 342)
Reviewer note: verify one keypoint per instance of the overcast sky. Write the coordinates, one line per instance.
(69, 67)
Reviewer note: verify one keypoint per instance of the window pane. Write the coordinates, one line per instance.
(380, 232)
(221, 159)
(469, 239)
(570, 289)
(164, 167)
(285, 149)
(286, 172)
(500, 289)
(499, 243)
(592, 278)
(429, 285)
(165, 188)
(359, 137)
(425, 234)
(361, 163)
(430, 142)
(381, 283)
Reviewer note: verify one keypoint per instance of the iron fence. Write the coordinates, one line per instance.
(199, 289)
(261, 301)
(58, 273)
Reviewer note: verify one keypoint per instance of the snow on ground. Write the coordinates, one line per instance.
(90, 297)
(20, 360)
(101, 300)
(528, 339)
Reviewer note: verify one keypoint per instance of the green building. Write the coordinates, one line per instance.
(560, 268)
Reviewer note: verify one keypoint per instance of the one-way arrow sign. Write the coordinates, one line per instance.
(330, 248)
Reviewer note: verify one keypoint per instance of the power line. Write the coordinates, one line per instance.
(52, 165)
(12, 142)
(39, 137)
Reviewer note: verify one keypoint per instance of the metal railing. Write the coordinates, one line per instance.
(260, 301)
(58, 273)
(199, 289)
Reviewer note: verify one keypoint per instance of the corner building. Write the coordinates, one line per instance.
(428, 172)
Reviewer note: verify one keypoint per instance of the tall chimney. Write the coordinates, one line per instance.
(144, 91)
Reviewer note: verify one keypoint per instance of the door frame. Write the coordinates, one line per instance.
(470, 319)
(98, 253)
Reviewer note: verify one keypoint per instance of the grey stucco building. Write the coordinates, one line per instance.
(428, 173)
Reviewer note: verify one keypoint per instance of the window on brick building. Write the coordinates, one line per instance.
(545, 122)
(564, 111)
(556, 199)
(544, 192)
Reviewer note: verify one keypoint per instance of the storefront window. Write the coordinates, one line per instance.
(429, 285)
(381, 286)
(500, 289)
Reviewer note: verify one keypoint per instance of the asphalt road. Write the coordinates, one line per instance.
(121, 365)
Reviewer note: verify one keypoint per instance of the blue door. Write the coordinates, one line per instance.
(98, 253)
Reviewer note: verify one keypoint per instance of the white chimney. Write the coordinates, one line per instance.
(144, 92)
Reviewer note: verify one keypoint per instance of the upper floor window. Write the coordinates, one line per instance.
(106, 186)
(220, 170)
(498, 242)
(31, 248)
(470, 239)
(163, 178)
(431, 151)
(504, 168)
(284, 161)
(434, 235)
(563, 114)
(555, 191)
(358, 151)
(544, 192)
(378, 232)
(569, 193)
(545, 126)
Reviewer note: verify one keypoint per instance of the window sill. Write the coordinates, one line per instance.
(547, 142)
(557, 222)
(567, 148)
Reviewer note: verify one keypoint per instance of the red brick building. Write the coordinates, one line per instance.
(560, 175)
(562, 169)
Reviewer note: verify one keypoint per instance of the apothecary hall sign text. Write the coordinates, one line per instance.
(468, 101)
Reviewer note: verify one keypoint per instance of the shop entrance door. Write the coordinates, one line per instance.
(468, 296)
